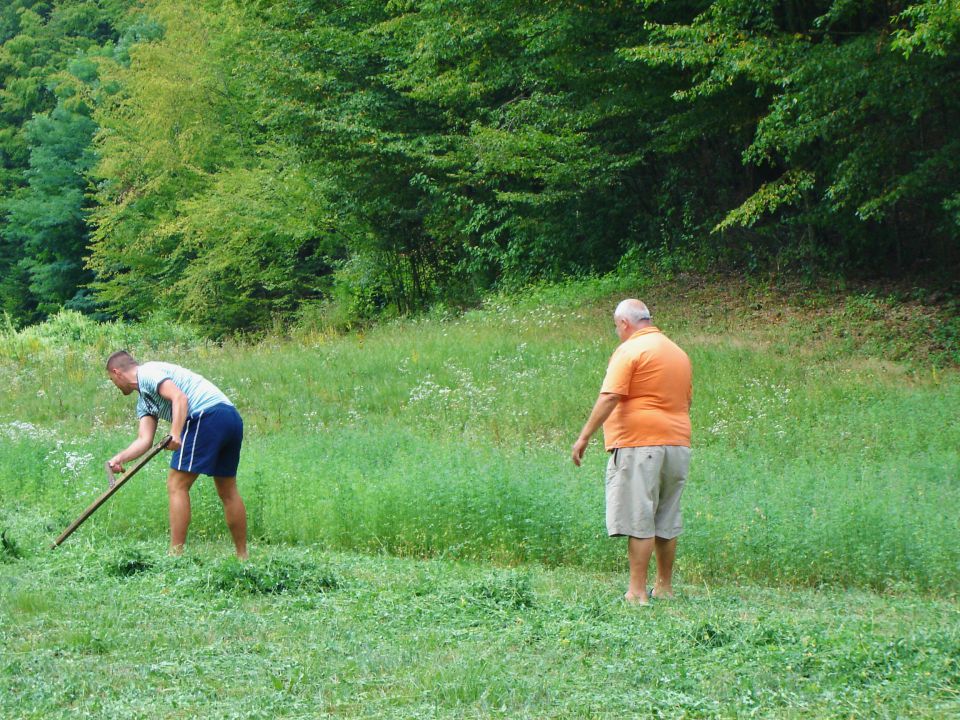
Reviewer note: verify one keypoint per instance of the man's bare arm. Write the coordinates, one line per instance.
(605, 404)
(145, 432)
(181, 407)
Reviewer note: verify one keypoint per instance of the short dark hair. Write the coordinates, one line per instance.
(121, 359)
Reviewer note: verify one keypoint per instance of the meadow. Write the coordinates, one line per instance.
(423, 546)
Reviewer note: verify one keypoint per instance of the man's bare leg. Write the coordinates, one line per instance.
(666, 551)
(235, 513)
(639, 551)
(178, 490)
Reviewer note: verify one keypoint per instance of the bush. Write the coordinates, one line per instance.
(70, 331)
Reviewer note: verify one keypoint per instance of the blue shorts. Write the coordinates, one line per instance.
(211, 442)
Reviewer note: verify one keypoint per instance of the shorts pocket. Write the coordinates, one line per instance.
(613, 466)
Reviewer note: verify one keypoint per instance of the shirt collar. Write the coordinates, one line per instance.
(644, 331)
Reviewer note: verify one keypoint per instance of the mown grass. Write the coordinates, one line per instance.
(86, 634)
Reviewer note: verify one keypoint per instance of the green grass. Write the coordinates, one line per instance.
(815, 462)
(423, 546)
(373, 636)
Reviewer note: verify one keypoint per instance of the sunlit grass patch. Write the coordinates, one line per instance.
(26, 603)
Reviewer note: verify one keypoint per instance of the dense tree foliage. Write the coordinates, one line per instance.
(235, 162)
(46, 131)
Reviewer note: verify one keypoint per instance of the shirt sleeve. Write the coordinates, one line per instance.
(145, 381)
(619, 374)
(142, 409)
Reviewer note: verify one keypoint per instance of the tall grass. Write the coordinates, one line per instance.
(815, 460)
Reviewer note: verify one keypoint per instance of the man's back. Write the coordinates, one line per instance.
(653, 376)
(201, 393)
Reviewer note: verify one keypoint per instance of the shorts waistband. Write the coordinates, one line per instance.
(214, 409)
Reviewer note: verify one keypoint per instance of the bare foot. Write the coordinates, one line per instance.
(662, 593)
(633, 599)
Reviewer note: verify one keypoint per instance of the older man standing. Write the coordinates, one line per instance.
(206, 432)
(644, 407)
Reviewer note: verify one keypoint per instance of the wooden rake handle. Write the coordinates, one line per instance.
(115, 485)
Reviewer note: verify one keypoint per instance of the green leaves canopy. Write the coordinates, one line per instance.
(235, 163)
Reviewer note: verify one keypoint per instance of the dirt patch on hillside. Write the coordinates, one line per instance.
(885, 323)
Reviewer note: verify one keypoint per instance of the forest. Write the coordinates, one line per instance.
(235, 165)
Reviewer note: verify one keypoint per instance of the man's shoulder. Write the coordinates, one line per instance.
(665, 339)
(160, 365)
(652, 346)
(161, 368)
(641, 343)
(150, 367)
(151, 374)
(656, 339)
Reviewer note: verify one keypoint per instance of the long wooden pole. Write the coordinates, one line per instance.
(114, 486)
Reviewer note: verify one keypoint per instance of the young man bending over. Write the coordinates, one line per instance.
(206, 432)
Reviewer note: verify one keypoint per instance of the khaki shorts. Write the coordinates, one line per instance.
(644, 485)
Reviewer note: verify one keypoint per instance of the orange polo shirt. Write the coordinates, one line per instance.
(654, 378)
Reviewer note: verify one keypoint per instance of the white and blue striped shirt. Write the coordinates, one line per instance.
(201, 393)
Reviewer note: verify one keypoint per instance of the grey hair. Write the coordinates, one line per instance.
(633, 311)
